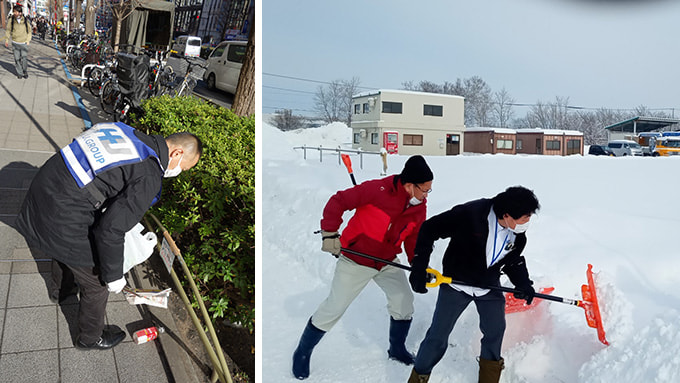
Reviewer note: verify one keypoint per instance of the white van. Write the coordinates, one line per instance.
(224, 65)
(187, 46)
(625, 148)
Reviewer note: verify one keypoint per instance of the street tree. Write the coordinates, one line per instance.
(334, 101)
(89, 17)
(120, 10)
(244, 99)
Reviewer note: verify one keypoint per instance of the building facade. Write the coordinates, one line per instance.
(550, 142)
(213, 20)
(490, 140)
(407, 122)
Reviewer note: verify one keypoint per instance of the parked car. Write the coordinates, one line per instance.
(625, 148)
(224, 65)
(187, 46)
(600, 150)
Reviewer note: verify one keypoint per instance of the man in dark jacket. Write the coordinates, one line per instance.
(388, 213)
(83, 201)
(486, 237)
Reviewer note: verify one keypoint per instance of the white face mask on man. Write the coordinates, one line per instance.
(414, 201)
(520, 227)
(174, 172)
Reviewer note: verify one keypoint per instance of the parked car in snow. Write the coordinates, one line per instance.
(600, 150)
(625, 148)
(224, 65)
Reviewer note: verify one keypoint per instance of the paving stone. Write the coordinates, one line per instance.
(4, 288)
(39, 335)
(28, 290)
(33, 367)
(77, 366)
(129, 357)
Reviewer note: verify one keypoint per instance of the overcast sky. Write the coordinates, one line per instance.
(612, 54)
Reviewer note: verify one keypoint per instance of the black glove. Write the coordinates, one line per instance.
(418, 279)
(525, 292)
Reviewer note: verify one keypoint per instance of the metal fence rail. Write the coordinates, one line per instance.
(338, 151)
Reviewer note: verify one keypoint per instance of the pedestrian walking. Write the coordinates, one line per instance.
(42, 27)
(19, 33)
(388, 214)
(82, 202)
(487, 237)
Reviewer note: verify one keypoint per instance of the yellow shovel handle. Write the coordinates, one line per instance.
(439, 278)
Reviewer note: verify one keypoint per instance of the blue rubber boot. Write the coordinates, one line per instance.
(310, 337)
(398, 332)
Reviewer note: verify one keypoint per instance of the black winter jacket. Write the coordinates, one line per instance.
(58, 218)
(465, 257)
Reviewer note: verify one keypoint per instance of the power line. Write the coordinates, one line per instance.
(287, 89)
(309, 80)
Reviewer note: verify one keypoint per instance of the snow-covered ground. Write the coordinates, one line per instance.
(620, 214)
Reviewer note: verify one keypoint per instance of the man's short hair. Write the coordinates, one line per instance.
(516, 201)
(17, 7)
(188, 141)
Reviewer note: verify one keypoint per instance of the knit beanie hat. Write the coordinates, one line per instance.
(416, 171)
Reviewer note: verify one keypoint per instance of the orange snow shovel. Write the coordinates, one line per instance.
(348, 164)
(589, 302)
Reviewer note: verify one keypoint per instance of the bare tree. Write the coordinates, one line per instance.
(553, 115)
(502, 107)
(244, 99)
(121, 10)
(334, 101)
(285, 120)
(477, 94)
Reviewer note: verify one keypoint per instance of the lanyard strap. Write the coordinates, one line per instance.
(494, 256)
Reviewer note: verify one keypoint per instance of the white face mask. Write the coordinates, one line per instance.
(520, 227)
(174, 172)
(415, 201)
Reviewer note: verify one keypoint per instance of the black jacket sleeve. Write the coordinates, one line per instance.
(123, 211)
(437, 227)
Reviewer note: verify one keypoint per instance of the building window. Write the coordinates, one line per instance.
(374, 138)
(573, 147)
(413, 139)
(391, 107)
(552, 145)
(433, 110)
(519, 145)
(366, 107)
(357, 138)
(503, 144)
(357, 108)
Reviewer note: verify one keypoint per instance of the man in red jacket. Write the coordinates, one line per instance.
(388, 214)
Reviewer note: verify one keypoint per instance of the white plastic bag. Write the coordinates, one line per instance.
(138, 248)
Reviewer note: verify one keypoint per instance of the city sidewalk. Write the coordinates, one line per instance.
(38, 116)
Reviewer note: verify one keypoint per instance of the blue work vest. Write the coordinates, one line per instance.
(105, 146)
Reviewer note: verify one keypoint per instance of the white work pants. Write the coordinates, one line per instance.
(348, 281)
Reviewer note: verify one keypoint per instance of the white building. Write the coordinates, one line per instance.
(408, 122)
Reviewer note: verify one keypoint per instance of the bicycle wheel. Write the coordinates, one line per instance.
(94, 80)
(107, 96)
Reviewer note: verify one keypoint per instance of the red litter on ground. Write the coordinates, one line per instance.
(147, 334)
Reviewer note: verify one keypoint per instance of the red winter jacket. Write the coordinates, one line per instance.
(382, 222)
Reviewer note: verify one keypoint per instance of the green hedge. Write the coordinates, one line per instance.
(210, 210)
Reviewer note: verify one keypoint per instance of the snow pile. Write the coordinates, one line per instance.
(619, 214)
